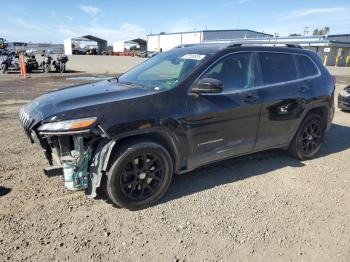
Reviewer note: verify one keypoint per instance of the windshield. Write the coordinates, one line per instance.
(164, 71)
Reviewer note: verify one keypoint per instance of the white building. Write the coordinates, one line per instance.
(164, 42)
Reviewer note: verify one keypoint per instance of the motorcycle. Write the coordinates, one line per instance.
(60, 63)
(45, 65)
(31, 63)
(8, 62)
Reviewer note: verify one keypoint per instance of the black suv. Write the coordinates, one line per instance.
(190, 106)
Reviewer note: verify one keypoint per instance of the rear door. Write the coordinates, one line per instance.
(225, 124)
(283, 95)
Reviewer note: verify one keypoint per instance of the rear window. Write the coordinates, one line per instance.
(277, 68)
(306, 66)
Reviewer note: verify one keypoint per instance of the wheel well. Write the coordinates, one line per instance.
(322, 112)
(155, 137)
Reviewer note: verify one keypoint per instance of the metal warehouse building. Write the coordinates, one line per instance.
(164, 42)
(334, 50)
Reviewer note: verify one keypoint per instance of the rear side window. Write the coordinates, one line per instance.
(306, 66)
(277, 68)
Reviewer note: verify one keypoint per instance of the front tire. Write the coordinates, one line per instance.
(140, 175)
(47, 69)
(308, 139)
(3, 69)
(62, 67)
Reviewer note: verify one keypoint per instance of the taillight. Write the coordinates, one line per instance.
(334, 79)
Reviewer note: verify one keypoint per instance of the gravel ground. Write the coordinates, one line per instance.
(264, 207)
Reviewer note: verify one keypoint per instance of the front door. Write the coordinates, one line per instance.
(225, 124)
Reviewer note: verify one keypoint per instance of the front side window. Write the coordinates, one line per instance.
(277, 68)
(235, 71)
(165, 70)
(306, 66)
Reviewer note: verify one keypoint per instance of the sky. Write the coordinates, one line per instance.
(54, 21)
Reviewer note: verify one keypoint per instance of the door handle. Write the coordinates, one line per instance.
(250, 98)
(303, 89)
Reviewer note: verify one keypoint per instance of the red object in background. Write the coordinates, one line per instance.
(125, 53)
(334, 79)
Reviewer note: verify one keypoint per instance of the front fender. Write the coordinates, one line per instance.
(103, 153)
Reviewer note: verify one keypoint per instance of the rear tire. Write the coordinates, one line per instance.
(308, 139)
(140, 174)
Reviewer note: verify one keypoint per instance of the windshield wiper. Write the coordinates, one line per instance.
(132, 84)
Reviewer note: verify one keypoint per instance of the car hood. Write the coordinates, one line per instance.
(82, 96)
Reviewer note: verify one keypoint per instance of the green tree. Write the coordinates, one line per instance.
(322, 31)
(294, 34)
(326, 30)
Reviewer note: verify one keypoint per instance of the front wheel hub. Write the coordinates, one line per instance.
(142, 176)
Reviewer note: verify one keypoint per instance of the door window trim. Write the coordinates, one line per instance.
(299, 79)
(298, 68)
(257, 85)
(218, 60)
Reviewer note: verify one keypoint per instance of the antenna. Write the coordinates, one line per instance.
(237, 22)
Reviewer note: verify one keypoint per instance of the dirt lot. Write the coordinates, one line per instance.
(265, 207)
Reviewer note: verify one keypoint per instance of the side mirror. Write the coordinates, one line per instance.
(208, 85)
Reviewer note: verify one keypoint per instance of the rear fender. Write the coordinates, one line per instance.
(323, 105)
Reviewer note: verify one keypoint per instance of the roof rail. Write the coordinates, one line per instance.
(260, 43)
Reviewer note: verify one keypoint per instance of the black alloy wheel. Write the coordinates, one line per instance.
(311, 137)
(308, 139)
(142, 176)
(139, 175)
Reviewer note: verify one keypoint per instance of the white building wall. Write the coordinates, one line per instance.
(68, 46)
(118, 46)
(167, 42)
(152, 43)
(191, 38)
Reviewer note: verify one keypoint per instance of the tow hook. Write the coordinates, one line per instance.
(76, 166)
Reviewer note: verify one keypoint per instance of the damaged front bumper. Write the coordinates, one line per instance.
(82, 154)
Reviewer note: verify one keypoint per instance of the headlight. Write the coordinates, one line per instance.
(68, 124)
(344, 93)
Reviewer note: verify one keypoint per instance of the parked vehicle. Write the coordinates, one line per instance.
(152, 54)
(180, 110)
(5, 62)
(148, 54)
(8, 61)
(30, 62)
(60, 63)
(344, 99)
(92, 51)
(79, 51)
(45, 64)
